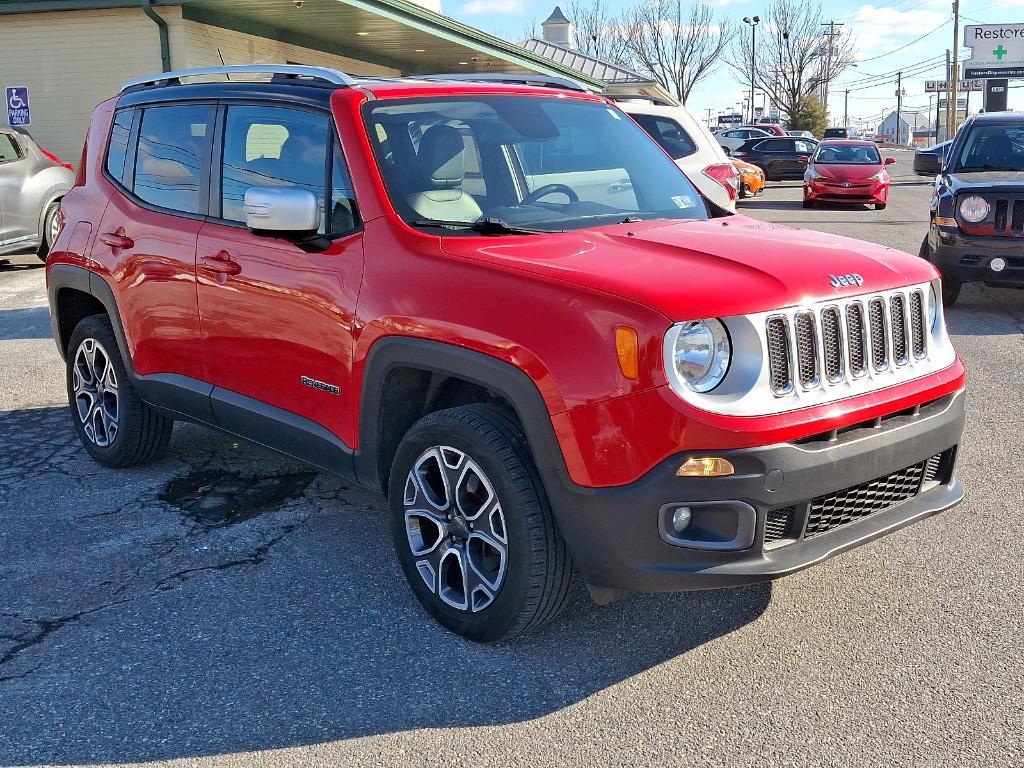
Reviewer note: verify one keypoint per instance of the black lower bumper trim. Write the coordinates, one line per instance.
(614, 535)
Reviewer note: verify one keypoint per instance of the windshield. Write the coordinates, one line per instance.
(842, 154)
(533, 163)
(993, 148)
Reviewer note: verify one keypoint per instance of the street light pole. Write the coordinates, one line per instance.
(753, 22)
(899, 107)
(955, 77)
(846, 109)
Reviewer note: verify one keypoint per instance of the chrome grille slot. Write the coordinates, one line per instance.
(879, 347)
(917, 324)
(806, 348)
(832, 343)
(898, 324)
(779, 369)
(855, 339)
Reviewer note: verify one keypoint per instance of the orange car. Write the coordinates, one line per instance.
(751, 179)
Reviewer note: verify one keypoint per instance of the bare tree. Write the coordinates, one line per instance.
(677, 44)
(798, 54)
(596, 30)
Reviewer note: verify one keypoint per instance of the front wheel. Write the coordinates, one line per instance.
(879, 206)
(950, 287)
(472, 526)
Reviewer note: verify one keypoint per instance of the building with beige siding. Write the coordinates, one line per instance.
(72, 54)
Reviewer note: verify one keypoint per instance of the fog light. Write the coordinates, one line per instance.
(681, 518)
(997, 264)
(706, 466)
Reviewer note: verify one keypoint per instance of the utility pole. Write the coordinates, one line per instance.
(753, 22)
(846, 109)
(936, 118)
(956, 69)
(831, 34)
(949, 83)
(899, 107)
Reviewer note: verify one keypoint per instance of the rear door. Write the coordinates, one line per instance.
(158, 157)
(278, 321)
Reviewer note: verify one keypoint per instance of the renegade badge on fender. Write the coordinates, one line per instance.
(507, 308)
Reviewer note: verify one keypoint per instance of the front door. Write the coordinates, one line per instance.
(10, 187)
(278, 321)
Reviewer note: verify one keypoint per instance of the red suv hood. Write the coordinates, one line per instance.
(696, 269)
(840, 172)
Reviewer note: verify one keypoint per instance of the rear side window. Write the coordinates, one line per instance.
(118, 147)
(173, 141)
(8, 149)
(669, 134)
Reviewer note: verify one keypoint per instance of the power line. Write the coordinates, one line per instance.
(896, 50)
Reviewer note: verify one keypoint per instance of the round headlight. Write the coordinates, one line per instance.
(933, 306)
(701, 354)
(974, 209)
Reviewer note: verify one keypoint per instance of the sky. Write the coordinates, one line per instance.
(890, 35)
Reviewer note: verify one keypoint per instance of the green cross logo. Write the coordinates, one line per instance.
(1000, 52)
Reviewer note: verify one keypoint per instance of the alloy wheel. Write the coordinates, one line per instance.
(53, 228)
(94, 381)
(455, 528)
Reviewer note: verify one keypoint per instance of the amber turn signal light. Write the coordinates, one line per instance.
(628, 350)
(706, 466)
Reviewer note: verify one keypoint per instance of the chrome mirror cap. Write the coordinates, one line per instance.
(281, 209)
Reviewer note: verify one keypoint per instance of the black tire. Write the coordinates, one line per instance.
(808, 204)
(537, 565)
(950, 287)
(879, 206)
(44, 239)
(141, 434)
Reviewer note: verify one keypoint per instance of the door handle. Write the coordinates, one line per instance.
(117, 239)
(222, 264)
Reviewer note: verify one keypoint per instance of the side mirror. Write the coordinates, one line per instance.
(890, 160)
(804, 159)
(281, 210)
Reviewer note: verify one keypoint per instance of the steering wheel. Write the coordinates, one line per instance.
(550, 189)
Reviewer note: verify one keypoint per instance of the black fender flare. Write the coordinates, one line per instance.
(81, 279)
(505, 379)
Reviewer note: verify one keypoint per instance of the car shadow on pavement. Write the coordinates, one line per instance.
(228, 600)
(21, 264)
(26, 323)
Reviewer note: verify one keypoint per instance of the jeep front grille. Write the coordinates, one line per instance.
(836, 342)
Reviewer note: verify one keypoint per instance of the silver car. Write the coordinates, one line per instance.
(32, 182)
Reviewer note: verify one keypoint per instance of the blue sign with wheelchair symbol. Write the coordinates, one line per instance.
(18, 110)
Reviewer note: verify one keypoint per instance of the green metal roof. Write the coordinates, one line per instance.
(393, 33)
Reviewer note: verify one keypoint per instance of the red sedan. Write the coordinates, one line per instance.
(847, 171)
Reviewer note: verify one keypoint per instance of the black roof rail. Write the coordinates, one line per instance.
(289, 71)
(508, 78)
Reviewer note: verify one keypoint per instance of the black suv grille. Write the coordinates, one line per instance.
(834, 510)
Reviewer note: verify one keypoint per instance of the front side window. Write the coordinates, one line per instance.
(544, 163)
(839, 154)
(173, 141)
(993, 148)
(669, 134)
(8, 149)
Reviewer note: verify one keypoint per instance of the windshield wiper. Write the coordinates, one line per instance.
(489, 226)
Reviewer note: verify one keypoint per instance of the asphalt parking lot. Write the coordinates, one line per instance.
(229, 607)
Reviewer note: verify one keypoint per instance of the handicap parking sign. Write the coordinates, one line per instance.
(18, 110)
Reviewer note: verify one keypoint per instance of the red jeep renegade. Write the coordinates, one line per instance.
(507, 308)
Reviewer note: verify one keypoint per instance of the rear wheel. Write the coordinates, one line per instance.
(115, 426)
(50, 227)
(808, 203)
(879, 206)
(472, 526)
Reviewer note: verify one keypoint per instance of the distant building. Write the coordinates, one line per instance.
(559, 47)
(902, 131)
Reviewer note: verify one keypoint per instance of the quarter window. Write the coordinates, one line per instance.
(173, 141)
(669, 134)
(117, 150)
(8, 149)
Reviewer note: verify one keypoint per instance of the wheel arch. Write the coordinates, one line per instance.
(406, 378)
(74, 293)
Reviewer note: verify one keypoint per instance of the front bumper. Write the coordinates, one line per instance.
(876, 192)
(616, 534)
(966, 258)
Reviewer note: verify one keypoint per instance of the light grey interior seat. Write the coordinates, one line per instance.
(441, 167)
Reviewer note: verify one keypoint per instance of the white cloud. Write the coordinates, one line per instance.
(878, 30)
(480, 7)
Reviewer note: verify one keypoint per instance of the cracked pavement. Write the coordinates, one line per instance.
(229, 607)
